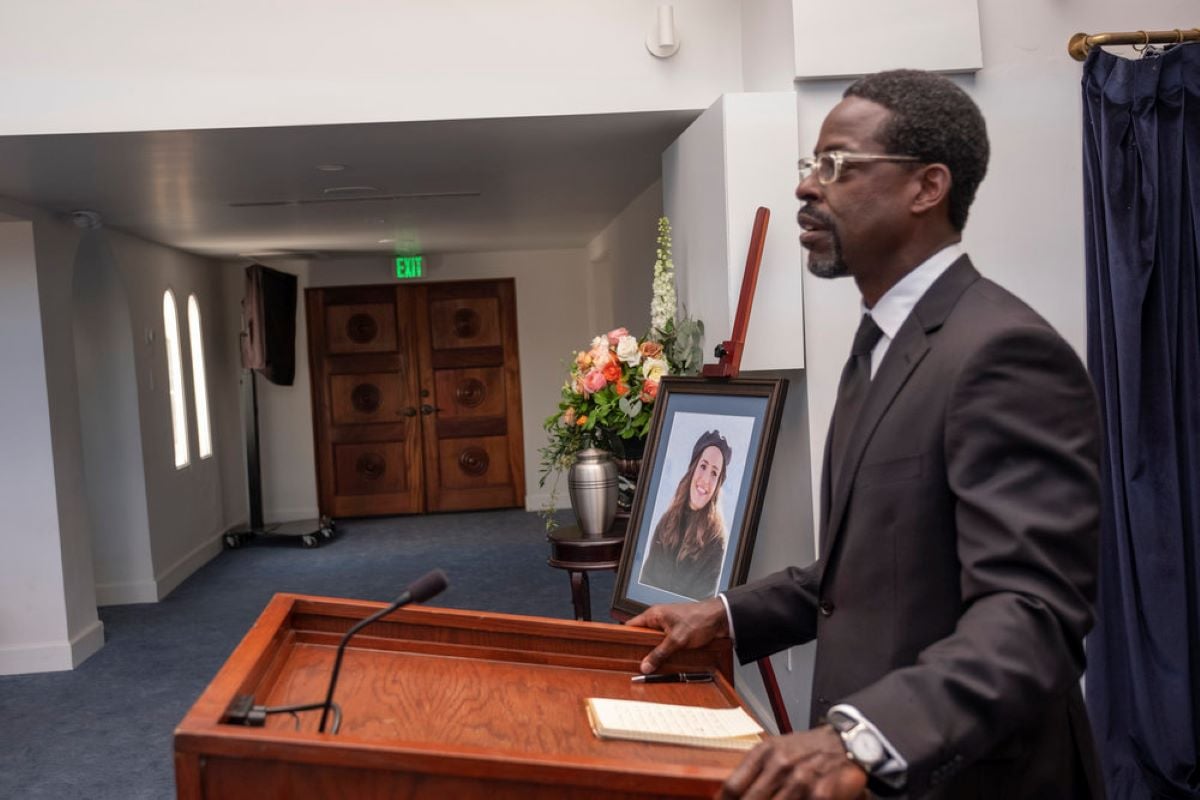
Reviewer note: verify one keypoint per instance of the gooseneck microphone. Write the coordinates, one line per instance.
(426, 587)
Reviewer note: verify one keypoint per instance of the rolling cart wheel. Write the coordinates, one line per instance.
(327, 533)
(309, 540)
(232, 541)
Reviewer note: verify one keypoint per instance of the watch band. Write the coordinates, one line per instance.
(881, 761)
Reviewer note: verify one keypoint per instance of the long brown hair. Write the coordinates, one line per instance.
(687, 531)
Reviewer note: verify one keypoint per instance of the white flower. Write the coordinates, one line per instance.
(654, 368)
(627, 350)
(662, 306)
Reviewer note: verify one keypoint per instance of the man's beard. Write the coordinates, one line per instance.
(831, 265)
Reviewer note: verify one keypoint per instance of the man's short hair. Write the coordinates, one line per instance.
(934, 120)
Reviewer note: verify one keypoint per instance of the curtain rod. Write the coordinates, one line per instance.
(1081, 43)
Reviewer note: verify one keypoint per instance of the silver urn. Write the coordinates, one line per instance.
(592, 483)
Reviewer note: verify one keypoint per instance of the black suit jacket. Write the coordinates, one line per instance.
(958, 553)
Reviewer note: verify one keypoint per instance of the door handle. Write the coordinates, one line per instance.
(428, 409)
(408, 411)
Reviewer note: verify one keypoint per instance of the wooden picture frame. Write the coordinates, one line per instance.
(697, 424)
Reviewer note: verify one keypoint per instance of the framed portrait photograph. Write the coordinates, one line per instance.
(699, 495)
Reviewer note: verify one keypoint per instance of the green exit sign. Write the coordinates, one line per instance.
(408, 266)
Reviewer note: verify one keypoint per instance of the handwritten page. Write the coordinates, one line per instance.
(729, 728)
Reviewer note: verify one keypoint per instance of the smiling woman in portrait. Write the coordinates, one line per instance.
(688, 546)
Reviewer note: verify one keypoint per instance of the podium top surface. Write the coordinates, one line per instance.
(462, 693)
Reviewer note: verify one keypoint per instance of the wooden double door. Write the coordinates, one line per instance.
(416, 397)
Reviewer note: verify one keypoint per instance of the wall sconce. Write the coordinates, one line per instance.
(662, 41)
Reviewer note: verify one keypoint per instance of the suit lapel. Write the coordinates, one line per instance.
(906, 351)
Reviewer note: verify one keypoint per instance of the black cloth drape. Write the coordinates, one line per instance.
(269, 320)
(1141, 141)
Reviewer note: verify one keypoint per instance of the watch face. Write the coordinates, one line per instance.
(866, 749)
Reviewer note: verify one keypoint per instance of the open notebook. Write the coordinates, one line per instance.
(725, 728)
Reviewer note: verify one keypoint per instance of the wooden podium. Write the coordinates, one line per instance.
(442, 703)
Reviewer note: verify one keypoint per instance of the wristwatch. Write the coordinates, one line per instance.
(862, 744)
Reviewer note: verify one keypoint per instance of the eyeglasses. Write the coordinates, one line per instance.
(828, 166)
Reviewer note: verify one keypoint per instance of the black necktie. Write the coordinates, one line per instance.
(856, 379)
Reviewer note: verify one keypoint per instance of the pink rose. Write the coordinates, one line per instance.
(615, 335)
(594, 381)
(649, 391)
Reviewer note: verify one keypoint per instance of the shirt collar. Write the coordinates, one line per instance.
(898, 302)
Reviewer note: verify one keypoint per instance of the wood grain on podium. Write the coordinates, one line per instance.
(442, 703)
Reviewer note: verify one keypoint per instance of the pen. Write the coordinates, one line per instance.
(675, 677)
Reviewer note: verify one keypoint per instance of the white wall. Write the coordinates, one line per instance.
(622, 261)
(115, 482)
(185, 507)
(69, 66)
(47, 602)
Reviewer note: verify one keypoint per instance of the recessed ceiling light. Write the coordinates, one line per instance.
(331, 167)
(386, 241)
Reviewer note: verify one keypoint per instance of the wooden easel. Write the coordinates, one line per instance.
(728, 366)
(729, 355)
(729, 352)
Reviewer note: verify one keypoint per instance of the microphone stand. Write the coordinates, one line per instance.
(242, 711)
(403, 599)
(425, 587)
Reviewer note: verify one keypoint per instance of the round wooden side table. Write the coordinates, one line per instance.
(579, 555)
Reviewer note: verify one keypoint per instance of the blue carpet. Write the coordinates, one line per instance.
(103, 731)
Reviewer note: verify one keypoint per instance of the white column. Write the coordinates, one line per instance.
(45, 623)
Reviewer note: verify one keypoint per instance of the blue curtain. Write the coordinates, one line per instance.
(1141, 141)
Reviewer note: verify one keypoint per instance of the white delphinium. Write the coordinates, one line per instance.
(662, 307)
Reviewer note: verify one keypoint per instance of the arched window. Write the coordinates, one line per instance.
(175, 378)
(199, 381)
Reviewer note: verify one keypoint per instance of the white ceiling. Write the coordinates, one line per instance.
(496, 184)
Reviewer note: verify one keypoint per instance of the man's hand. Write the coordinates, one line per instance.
(810, 764)
(687, 625)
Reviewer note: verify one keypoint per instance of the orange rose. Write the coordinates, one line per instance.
(581, 420)
(612, 371)
(649, 391)
(651, 349)
(622, 389)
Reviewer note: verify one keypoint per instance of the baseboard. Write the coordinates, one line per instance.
(128, 593)
(178, 572)
(87, 643)
(52, 656)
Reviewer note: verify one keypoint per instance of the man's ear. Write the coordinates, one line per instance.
(933, 188)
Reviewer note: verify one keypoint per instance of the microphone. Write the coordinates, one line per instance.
(426, 587)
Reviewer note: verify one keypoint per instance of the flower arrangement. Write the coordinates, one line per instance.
(608, 398)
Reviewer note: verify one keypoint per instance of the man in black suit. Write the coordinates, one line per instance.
(960, 494)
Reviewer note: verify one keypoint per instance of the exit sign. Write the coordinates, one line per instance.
(408, 266)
